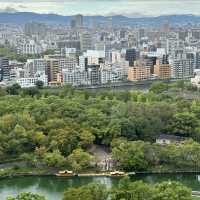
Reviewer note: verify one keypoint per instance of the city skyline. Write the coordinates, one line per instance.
(131, 8)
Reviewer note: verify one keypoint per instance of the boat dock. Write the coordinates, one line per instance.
(105, 174)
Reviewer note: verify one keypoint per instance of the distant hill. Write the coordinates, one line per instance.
(24, 17)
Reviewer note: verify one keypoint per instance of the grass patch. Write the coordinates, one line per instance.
(195, 198)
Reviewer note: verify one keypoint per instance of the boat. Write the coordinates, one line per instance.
(117, 173)
(65, 173)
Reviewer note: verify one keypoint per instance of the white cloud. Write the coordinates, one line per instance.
(105, 7)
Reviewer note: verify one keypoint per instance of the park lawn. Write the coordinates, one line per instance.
(195, 198)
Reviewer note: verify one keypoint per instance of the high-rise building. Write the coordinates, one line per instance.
(94, 74)
(69, 63)
(196, 33)
(162, 70)
(4, 69)
(197, 60)
(29, 48)
(69, 44)
(85, 41)
(35, 28)
(131, 56)
(53, 70)
(77, 22)
(33, 66)
(139, 72)
(183, 64)
(73, 24)
(95, 57)
(141, 33)
(75, 77)
(166, 27)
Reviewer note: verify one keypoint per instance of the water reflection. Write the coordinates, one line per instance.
(53, 187)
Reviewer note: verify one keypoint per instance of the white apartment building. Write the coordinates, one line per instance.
(196, 80)
(16, 73)
(113, 72)
(33, 66)
(29, 48)
(116, 56)
(31, 81)
(95, 57)
(26, 82)
(69, 52)
(69, 63)
(75, 78)
(183, 65)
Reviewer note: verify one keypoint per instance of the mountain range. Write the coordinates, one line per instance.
(24, 17)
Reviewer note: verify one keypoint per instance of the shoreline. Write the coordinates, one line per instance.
(80, 175)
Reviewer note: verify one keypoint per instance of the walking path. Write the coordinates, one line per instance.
(102, 156)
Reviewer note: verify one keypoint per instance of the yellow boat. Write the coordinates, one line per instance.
(117, 173)
(65, 173)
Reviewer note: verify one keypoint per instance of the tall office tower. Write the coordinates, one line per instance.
(109, 24)
(122, 33)
(182, 34)
(196, 33)
(171, 45)
(85, 42)
(94, 24)
(132, 41)
(35, 28)
(141, 33)
(197, 60)
(166, 27)
(4, 69)
(73, 24)
(182, 64)
(79, 21)
(131, 56)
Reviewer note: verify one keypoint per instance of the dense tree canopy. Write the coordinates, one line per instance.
(27, 196)
(129, 190)
(92, 191)
(143, 156)
(57, 126)
(79, 160)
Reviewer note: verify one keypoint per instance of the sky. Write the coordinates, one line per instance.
(131, 8)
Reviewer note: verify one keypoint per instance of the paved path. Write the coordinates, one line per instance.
(102, 156)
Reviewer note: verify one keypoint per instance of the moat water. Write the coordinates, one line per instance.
(53, 187)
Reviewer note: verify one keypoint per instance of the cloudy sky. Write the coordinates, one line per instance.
(104, 7)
